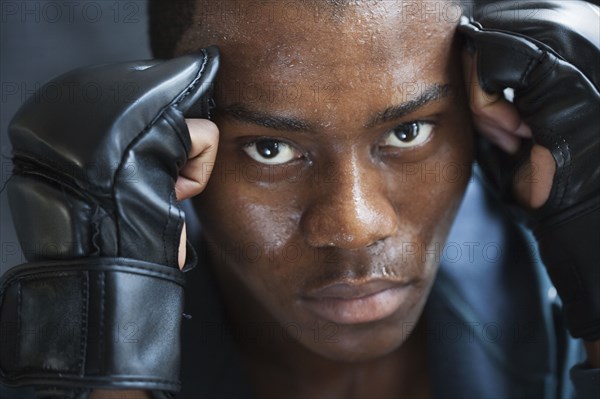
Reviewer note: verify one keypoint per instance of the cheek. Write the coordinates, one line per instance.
(428, 192)
(249, 229)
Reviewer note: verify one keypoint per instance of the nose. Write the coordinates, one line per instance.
(350, 210)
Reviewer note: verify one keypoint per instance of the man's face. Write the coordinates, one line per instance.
(344, 154)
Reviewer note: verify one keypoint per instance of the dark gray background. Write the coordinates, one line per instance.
(41, 39)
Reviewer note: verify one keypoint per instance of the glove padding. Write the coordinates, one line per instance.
(547, 51)
(95, 166)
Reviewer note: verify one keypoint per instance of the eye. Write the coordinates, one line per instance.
(271, 152)
(408, 135)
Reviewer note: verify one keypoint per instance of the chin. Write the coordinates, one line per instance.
(363, 342)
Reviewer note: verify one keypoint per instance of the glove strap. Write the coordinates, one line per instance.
(91, 323)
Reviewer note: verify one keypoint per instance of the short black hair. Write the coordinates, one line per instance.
(168, 21)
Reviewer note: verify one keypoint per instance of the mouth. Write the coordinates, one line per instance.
(350, 303)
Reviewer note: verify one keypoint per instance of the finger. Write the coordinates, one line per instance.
(524, 131)
(477, 96)
(182, 247)
(493, 108)
(187, 188)
(196, 172)
(500, 137)
(533, 182)
(502, 113)
(194, 175)
(205, 136)
(485, 126)
(499, 121)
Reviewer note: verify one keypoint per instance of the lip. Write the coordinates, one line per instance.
(348, 303)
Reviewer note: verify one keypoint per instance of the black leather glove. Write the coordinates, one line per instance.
(548, 52)
(97, 152)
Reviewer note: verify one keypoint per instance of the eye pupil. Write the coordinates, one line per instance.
(407, 133)
(267, 148)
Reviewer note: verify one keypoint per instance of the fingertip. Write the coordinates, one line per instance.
(204, 135)
(205, 125)
(187, 188)
(523, 130)
(498, 136)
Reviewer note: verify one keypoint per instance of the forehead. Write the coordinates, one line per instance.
(316, 33)
(310, 46)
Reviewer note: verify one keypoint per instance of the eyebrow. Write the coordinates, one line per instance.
(242, 113)
(427, 96)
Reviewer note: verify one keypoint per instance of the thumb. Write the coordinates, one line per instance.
(194, 175)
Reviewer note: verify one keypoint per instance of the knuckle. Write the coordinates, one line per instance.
(476, 108)
(209, 126)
